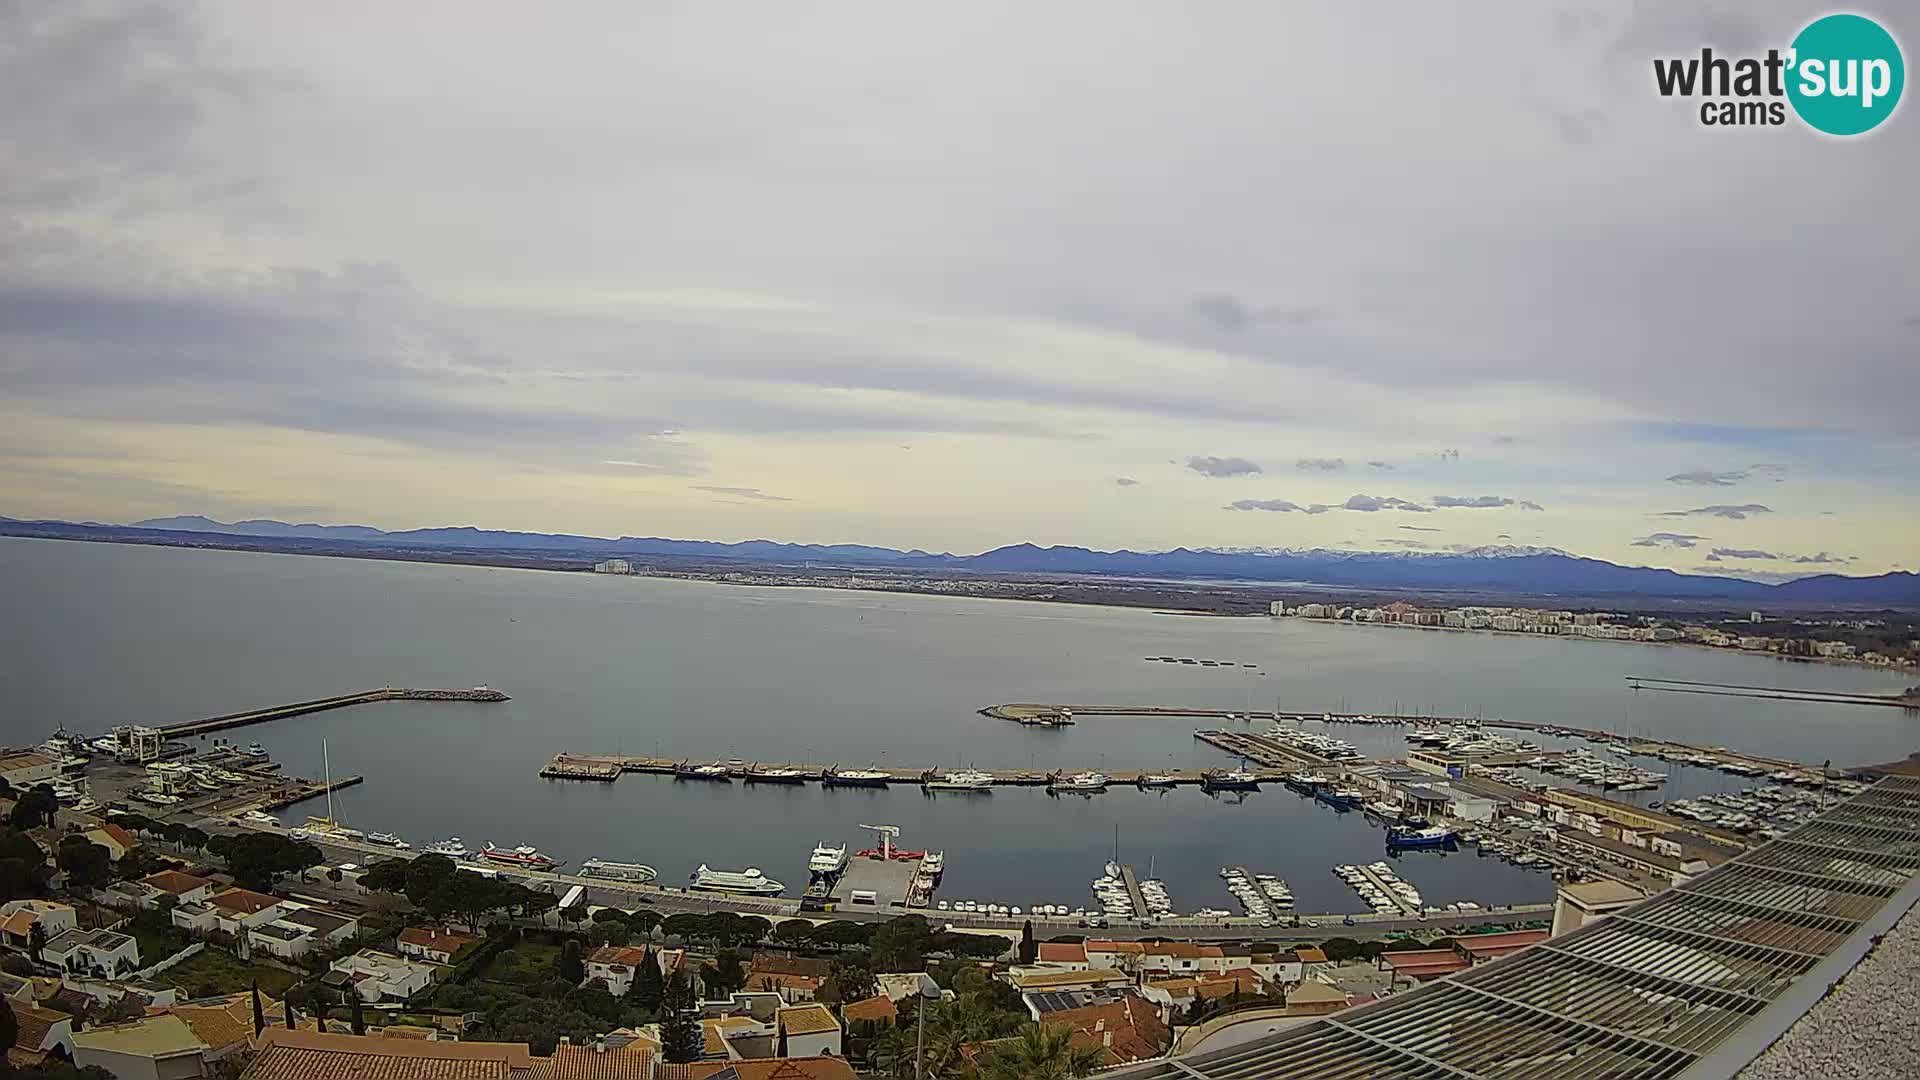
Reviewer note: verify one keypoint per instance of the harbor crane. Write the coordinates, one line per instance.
(886, 833)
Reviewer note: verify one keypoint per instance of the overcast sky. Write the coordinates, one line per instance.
(1108, 274)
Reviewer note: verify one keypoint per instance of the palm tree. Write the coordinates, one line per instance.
(1042, 1052)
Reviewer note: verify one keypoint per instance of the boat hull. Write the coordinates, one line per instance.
(835, 780)
(762, 778)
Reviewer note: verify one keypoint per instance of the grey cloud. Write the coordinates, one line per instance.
(1417, 545)
(1821, 558)
(1736, 513)
(1371, 503)
(741, 492)
(1529, 504)
(1320, 464)
(1125, 481)
(1502, 536)
(1476, 502)
(1219, 467)
(1503, 440)
(1577, 128)
(1222, 312)
(1278, 506)
(1447, 455)
(1720, 553)
(1667, 539)
(1420, 528)
(1706, 478)
(1379, 465)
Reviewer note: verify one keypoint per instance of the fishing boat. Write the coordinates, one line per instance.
(618, 871)
(527, 858)
(451, 847)
(1223, 780)
(1156, 780)
(1430, 837)
(387, 839)
(780, 775)
(712, 770)
(959, 780)
(1341, 798)
(827, 859)
(838, 777)
(749, 882)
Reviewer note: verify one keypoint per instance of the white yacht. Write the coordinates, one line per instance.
(387, 839)
(451, 847)
(828, 859)
(750, 881)
(960, 780)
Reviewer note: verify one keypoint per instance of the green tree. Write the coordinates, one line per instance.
(681, 1040)
(851, 981)
(86, 864)
(34, 808)
(1042, 1052)
(726, 974)
(901, 944)
(23, 866)
(257, 860)
(793, 933)
(644, 922)
(648, 986)
(359, 1018)
(36, 940)
(9, 1024)
(1029, 948)
(573, 968)
(576, 914)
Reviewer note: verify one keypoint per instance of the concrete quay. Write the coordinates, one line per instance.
(338, 701)
(608, 767)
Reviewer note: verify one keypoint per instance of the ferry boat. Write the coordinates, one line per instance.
(838, 777)
(827, 859)
(712, 770)
(750, 882)
(527, 858)
(451, 847)
(1432, 836)
(960, 780)
(1156, 780)
(1085, 781)
(1236, 780)
(783, 775)
(618, 871)
(387, 839)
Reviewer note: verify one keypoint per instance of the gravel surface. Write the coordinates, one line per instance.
(1865, 1028)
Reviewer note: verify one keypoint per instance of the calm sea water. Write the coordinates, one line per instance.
(97, 634)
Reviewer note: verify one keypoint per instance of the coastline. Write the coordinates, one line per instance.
(1249, 600)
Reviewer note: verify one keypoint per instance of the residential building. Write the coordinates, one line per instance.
(151, 1048)
(1579, 903)
(809, 1031)
(115, 839)
(97, 951)
(795, 978)
(1410, 966)
(225, 1024)
(434, 944)
(1070, 955)
(616, 965)
(201, 918)
(1315, 998)
(814, 1068)
(1481, 948)
(878, 1009)
(238, 910)
(312, 1055)
(1124, 1031)
(19, 917)
(38, 1032)
(378, 976)
(26, 768)
(1312, 959)
(299, 930)
(184, 888)
(1033, 978)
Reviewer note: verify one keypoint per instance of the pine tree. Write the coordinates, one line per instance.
(680, 1038)
(647, 986)
(359, 1018)
(259, 1015)
(1029, 948)
(573, 967)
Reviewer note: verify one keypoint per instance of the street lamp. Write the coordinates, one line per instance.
(929, 993)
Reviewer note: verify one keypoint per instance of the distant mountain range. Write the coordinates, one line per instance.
(1529, 571)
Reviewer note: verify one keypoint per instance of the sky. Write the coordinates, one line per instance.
(1107, 274)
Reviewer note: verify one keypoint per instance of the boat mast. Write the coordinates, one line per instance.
(327, 765)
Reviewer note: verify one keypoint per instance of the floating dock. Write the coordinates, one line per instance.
(1380, 883)
(889, 880)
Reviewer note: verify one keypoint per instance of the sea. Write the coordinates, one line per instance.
(95, 635)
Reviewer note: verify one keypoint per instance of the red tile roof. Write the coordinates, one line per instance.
(175, 882)
(1064, 952)
(242, 901)
(1424, 963)
(1488, 946)
(877, 1007)
(311, 1055)
(1126, 1030)
(436, 939)
(619, 955)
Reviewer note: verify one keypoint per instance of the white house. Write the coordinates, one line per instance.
(238, 910)
(377, 976)
(200, 918)
(300, 930)
(616, 965)
(40, 1031)
(438, 945)
(98, 951)
(184, 888)
(28, 769)
(19, 917)
(809, 1031)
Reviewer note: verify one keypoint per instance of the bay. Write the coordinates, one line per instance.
(97, 634)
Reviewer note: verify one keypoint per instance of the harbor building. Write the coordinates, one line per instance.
(1578, 903)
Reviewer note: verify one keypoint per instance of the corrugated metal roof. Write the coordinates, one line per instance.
(1642, 995)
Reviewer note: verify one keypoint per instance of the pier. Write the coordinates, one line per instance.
(1368, 873)
(304, 790)
(341, 701)
(608, 767)
(1134, 896)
